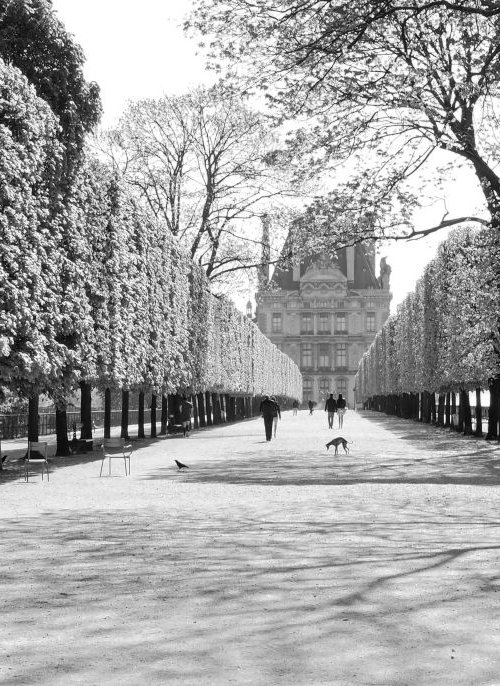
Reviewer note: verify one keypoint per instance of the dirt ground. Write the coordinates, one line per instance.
(264, 563)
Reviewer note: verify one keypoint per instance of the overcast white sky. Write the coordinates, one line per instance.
(138, 49)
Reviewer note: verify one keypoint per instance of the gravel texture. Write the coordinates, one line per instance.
(264, 563)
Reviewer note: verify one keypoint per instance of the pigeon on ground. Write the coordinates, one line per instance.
(180, 465)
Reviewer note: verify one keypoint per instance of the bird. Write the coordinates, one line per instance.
(180, 465)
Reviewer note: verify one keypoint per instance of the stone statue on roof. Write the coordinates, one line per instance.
(385, 274)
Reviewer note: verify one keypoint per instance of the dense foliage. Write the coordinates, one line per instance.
(445, 335)
(37, 43)
(95, 290)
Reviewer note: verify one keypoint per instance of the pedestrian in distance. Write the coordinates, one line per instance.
(310, 405)
(276, 415)
(341, 409)
(331, 408)
(267, 409)
(295, 407)
(186, 410)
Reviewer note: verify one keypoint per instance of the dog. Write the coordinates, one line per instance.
(339, 441)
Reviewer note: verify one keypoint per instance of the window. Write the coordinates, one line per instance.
(370, 321)
(324, 387)
(307, 323)
(276, 304)
(276, 322)
(340, 304)
(262, 322)
(324, 323)
(341, 355)
(307, 356)
(324, 356)
(340, 322)
(307, 388)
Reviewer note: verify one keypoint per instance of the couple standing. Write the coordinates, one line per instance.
(339, 406)
(270, 411)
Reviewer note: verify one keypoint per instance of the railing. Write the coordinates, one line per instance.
(16, 425)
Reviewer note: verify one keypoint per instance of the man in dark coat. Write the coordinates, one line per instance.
(267, 410)
(186, 410)
(331, 408)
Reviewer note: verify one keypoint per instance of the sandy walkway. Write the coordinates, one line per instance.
(263, 564)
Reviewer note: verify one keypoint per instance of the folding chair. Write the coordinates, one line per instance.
(116, 448)
(37, 453)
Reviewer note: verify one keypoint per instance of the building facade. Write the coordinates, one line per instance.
(324, 313)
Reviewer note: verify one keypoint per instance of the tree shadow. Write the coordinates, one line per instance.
(171, 592)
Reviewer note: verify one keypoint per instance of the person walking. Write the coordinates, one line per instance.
(310, 405)
(267, 408)
(276, 415)
(331, 408)
(341, 409)
(295, 406)
(186, 410)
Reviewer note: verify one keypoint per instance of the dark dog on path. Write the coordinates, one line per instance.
(336, 442)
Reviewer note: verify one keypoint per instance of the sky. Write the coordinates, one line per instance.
(137, 50)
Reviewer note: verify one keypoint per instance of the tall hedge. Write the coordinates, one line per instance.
(445, 335)
(93, 289)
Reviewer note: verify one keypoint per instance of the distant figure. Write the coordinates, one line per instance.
(276, 415)
(267, 410)
(295, 406)
(331, 408)
(186, 409)
(341, 409)
(310, 405)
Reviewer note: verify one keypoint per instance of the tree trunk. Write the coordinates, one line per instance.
(201, 409)
(107, 413)
(33, 418)
(493, 412)
(86, 409)
(216, 408)
(153, 415)
(433, 413)
(208, 405)
(164, 415)
(440, 414)
(124, 422)
(196, 415)
(466, 412)
(448, 410)
(479, 414)
(140, 416)
(62, 447)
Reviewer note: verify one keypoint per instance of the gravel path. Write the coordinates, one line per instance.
(264, 563)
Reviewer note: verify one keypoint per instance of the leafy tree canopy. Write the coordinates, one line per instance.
(37, 43)
(391, 91)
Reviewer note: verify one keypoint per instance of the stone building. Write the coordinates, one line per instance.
(324, 313)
